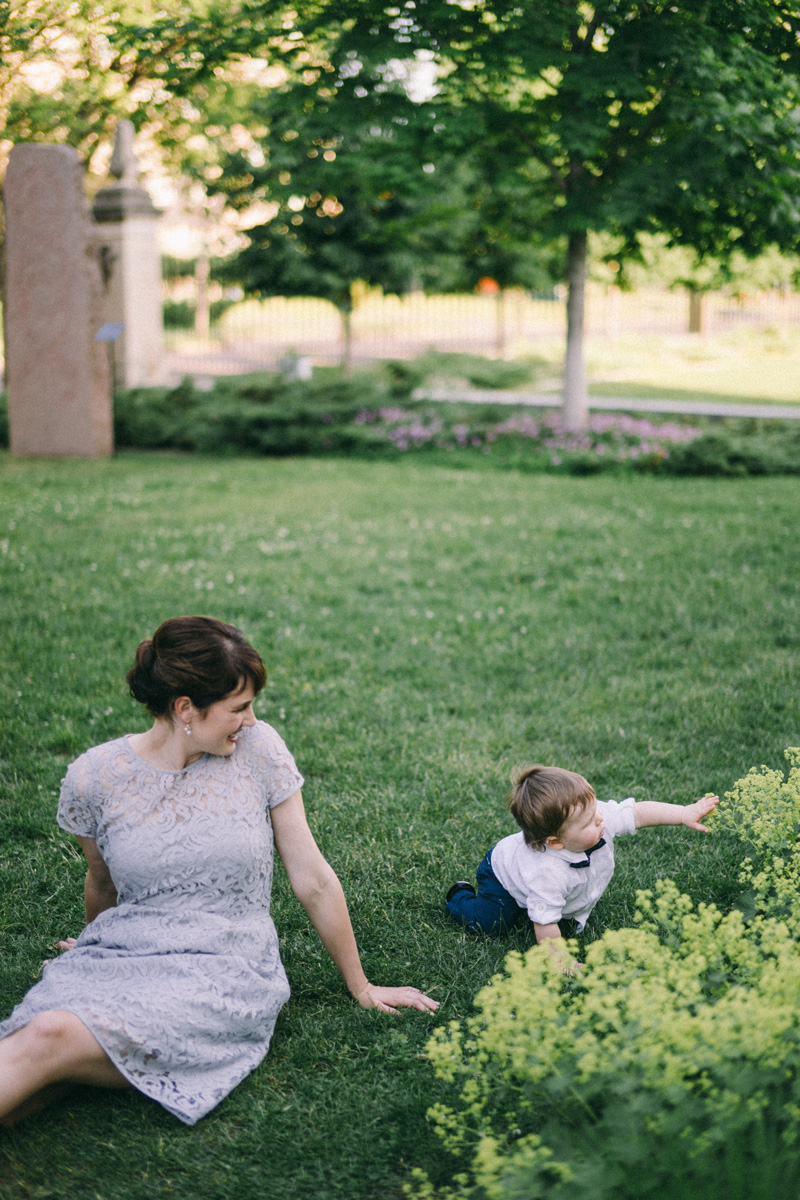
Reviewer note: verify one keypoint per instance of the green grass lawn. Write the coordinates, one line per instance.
(747, 366)
(425, 630)
(755, 366)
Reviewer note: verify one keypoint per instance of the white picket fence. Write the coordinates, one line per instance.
(253, 335)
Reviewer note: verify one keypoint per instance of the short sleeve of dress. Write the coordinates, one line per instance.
(273, 763)
(78, 806)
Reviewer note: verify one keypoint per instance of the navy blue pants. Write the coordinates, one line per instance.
(493, 910)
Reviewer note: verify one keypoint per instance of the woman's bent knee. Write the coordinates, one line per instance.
(54, 1034)
(71, 1052)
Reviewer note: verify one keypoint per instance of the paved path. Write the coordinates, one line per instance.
(688, 408)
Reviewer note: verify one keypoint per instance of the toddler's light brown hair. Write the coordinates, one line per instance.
(544, 798)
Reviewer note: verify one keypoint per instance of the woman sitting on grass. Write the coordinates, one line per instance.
(175, 984)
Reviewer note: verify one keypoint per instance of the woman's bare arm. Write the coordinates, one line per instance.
(99, 891)
(317, 887)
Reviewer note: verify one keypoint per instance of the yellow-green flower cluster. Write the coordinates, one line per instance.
(673, 1054)
(763, 811)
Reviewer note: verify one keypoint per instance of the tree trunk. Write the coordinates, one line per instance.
(576, 401)
(500, 336)
(202, 310)
(695, 311)
(346, 315)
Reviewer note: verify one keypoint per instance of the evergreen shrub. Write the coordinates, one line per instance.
(155, 418)
(264, 415)
(731, 454)
(375, 414)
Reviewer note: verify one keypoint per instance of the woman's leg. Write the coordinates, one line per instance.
(53, 1049)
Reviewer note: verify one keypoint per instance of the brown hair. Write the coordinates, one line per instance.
(543, 799)
(197, 657)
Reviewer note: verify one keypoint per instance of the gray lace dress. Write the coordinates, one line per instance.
(182, 982)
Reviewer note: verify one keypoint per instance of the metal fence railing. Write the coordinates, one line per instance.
(252, 335)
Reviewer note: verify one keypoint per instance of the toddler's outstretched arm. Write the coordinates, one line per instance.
(653, 812)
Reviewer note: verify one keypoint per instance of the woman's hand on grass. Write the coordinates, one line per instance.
(62, 947)
(390, 999)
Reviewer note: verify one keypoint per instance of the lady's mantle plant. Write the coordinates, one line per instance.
(669, 1067)
(763, 812)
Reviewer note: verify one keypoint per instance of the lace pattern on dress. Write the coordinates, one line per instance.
(182, 982)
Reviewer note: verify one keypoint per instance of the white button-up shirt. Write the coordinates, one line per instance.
(547, 884)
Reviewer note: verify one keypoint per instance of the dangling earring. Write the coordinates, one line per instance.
(188, 729)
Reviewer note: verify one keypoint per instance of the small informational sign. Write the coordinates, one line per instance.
(109, 332)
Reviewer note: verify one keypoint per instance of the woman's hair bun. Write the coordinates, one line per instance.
(197, 657)
(142, 680)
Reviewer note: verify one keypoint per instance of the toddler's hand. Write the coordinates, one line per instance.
(694, 813)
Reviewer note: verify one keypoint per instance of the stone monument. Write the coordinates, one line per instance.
(59, 391)
(131, 262)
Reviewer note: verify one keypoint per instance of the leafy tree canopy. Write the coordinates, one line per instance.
(69, 71)
(625, 116)
(366, 202)
(681, 117)
(374, 190)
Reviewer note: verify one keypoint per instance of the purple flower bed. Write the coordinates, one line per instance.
(610, 437)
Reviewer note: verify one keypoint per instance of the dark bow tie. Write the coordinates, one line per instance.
(589, 853)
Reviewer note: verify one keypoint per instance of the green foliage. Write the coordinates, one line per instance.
(763, 809)
(614, 115)
(376, 191)
(763, 812)
(373, 413)
(680, 266)
(71, 94)
(499, 236)
(656, 117)
(261, 415)
(669, 1066)
(68, 73)
(355, 202)
(622, 118)
(153, 418)
(732, 454)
